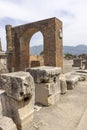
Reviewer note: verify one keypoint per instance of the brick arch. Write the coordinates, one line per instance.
(25, 46)
(35, 59)
(19, 37)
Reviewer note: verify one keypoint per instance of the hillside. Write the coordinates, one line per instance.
(36, 50)
(79, 49)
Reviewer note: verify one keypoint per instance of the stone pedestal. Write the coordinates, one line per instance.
(72, 81)
(18, 101)
(47, 84)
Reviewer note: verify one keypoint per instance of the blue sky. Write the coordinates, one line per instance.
(71, 12)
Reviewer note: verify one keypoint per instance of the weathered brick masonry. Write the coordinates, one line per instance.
(18, 39)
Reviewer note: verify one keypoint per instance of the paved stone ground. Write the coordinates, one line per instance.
(67, 66)
(66, 114)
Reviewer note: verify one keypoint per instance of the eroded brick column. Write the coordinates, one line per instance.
(9, 37)
(9, 47)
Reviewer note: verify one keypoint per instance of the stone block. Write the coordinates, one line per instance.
(63, 84)
(72, 81)
(20, 111)
(1, 93)
(77, 62)
(20, 105)
(47, 84)
(47, 93)
(35, 63)
(18, 85)
(7, 123)
(44, 74)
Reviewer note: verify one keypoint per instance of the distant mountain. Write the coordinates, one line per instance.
(79, 49)
(36, 49)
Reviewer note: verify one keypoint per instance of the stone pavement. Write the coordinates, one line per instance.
(67, 114)
(83, 122)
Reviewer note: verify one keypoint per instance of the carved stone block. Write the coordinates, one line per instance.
(44, 74)
(18, 100)
(47, 84)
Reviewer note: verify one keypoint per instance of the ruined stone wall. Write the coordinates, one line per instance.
(58, 43)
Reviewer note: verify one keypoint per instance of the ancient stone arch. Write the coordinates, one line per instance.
(18, 43)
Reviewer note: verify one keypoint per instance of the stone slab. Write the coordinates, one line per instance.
(44, 74)
(83, 122)
(72, 81)
(47, 93)
(17, 85)
(82, 76)
(81, 71)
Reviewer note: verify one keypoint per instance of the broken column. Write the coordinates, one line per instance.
(47, 85)
(18, 101)
(63, 84)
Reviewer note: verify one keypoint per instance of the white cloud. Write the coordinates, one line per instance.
(71, 12)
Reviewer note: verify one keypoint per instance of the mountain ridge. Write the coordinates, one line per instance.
(75, 50)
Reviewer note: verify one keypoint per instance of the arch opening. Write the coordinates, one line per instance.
(36, 46)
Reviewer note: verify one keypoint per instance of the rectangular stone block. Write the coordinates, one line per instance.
(17, 85)
(47, 84)
(35, 63)
(77, 62)
(18, 100)
(44, 74)
(72, 81)
(47, 94)
(21, 112)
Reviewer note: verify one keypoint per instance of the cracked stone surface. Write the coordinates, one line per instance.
(17, 85)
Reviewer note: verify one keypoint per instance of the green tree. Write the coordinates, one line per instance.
(68, 56)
